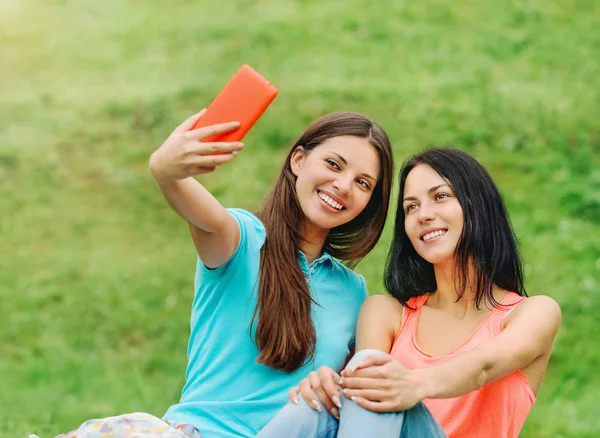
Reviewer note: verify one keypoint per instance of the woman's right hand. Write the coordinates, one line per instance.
(322, 384)
(183, 153)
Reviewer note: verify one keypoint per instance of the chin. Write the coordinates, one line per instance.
(319, 221)
(436, 258)
(329, 224)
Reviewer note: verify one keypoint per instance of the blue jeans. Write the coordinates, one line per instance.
(300, 420)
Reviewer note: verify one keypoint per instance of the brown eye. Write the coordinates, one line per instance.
(332, 163)
(363, 183)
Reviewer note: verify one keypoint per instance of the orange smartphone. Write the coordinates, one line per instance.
(245, 97)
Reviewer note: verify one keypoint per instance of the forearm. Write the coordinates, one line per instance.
(194, 203)
(457, 376)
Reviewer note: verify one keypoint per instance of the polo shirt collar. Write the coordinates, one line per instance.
(325, 259)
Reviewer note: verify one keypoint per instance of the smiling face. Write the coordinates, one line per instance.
(434, 218)
(335, 180)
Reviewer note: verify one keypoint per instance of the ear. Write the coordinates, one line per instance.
(297, 160)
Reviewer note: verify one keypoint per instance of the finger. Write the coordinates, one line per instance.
(213, 160)
(293, 395)
(208, 131)
(373, 360)
(189, 122)
(321, 395)
(369, 394)
(218, 148)
(386, 406)
(372, 372)
(328, 378)
(361, 383)
(201, 170)
(307, 393)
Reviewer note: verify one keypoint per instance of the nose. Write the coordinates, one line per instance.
(343, 184)
(425, 213)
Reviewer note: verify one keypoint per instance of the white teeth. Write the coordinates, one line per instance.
(330, 201)
(433, 234)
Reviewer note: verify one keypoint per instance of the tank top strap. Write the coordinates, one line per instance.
(508, 304)
(410, 312)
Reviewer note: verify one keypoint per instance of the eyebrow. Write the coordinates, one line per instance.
(343, 160)
(429, 192)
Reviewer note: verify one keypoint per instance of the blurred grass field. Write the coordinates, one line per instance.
(96, 271)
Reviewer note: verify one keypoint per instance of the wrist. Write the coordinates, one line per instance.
(153, 165)
(427, 383)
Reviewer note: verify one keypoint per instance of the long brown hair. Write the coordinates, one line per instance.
(285, 333)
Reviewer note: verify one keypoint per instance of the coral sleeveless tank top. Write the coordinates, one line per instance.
(498, 409)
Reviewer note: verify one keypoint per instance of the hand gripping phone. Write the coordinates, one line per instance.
(245, 97)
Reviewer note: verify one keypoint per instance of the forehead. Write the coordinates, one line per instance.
(420, 179)
(358, 152)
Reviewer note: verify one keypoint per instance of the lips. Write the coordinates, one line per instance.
(431, 234)
(331, 200)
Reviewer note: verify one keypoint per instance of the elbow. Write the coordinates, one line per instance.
(484, 374)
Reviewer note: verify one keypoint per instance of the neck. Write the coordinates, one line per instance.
(312, 242)
(447, 294)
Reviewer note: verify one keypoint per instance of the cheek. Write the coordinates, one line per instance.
(360, 198)
(408, 229)
(301, 188)
(364, 197)
(409, 225)
(457, 214)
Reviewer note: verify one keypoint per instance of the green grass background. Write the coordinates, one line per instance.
(96, 271)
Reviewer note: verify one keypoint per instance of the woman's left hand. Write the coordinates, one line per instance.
(381, 384)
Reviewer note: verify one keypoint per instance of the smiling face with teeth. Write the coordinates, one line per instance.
(334, 181)
(434, 218)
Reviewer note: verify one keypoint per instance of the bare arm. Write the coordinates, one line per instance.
(528, 335)
(214, 231)
(378, 323)
(382, 384)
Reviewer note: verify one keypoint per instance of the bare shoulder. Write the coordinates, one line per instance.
(540, 304)
(383, 303)
(383, 307)
(378, 322)
(540, 308)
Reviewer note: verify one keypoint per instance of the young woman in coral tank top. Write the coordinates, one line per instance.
(458, 344)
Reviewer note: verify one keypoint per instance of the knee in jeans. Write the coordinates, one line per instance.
(362, 355)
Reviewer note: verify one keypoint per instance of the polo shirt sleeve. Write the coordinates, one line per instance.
(252, 238)
(364, 295)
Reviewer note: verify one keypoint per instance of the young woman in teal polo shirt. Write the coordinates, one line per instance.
(272, 302)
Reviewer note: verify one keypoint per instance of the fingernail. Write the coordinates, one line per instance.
(316, 405)
(353, 398)
(295, 400)
(233, 152)
(344, 390)
(340, 382)
(335, 413)
(336, 401)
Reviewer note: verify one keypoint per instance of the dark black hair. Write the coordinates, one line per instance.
(487, 242)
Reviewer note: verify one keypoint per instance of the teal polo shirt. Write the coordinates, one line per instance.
(227, 394)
